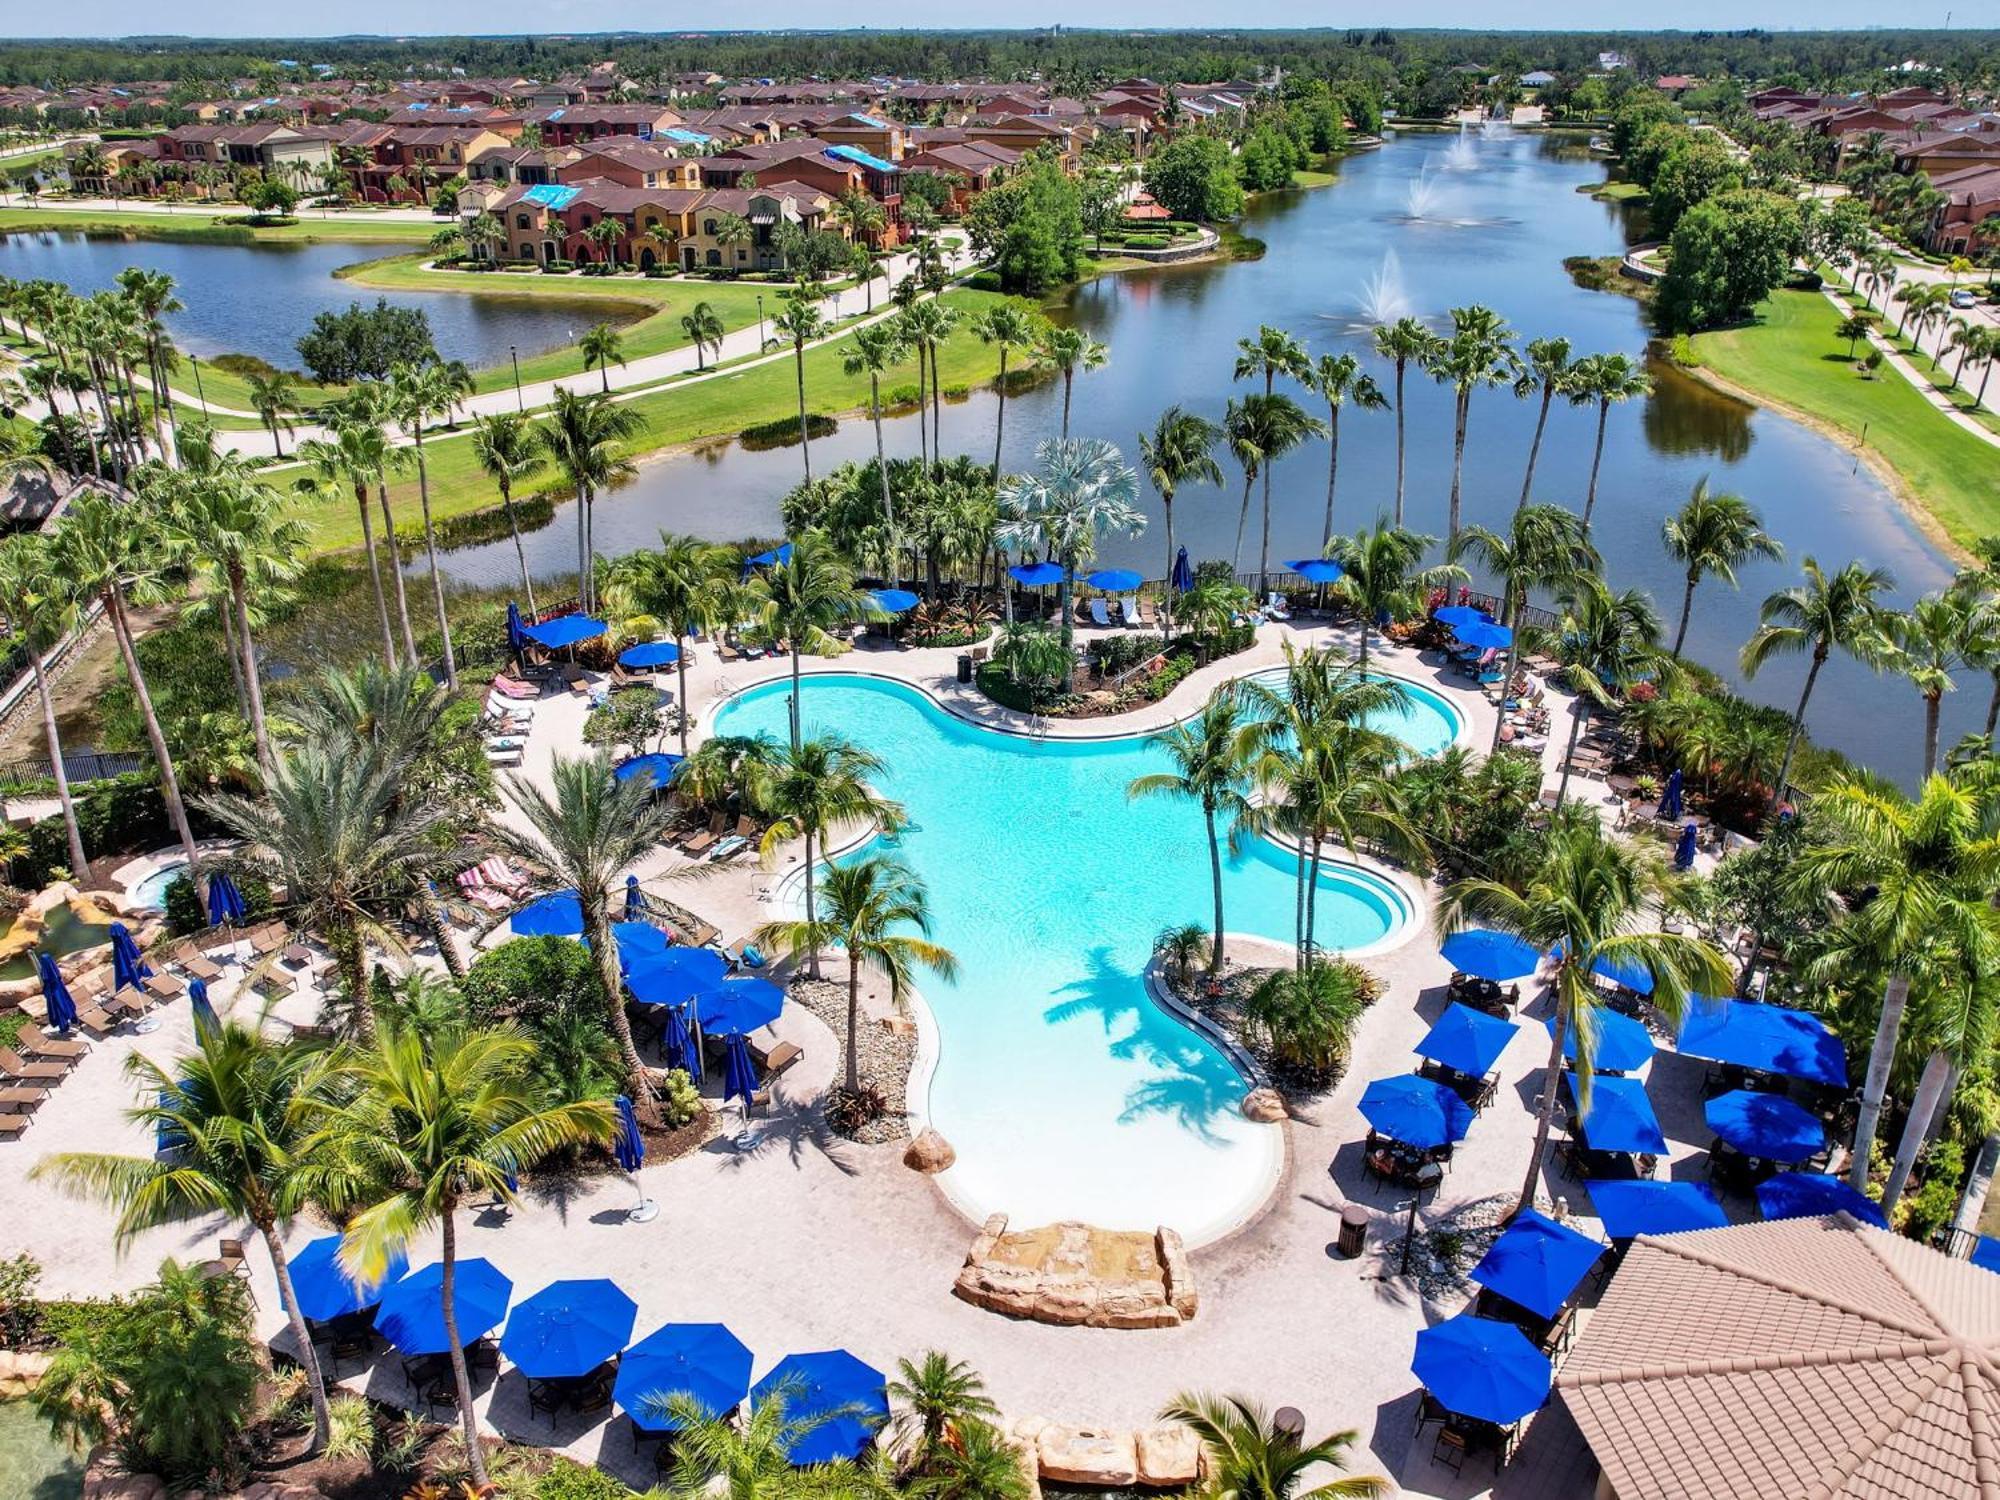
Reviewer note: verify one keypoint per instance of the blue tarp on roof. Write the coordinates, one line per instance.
(552, 195)
(679, 133)
(557, 114)
(862, 158)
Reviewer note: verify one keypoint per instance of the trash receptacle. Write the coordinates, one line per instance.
(965, 666)
(1353, 1230)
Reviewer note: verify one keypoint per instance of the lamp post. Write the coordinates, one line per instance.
(760, 322)
(520, 403)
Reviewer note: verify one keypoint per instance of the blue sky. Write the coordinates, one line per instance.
(260, 17)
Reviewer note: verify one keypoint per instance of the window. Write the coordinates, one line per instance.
(522, 221)
(715, 257)
(708, 226)
(527, 251)
(741, 253)
(584, 222)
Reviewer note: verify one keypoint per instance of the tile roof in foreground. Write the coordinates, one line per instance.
(1808, 1357)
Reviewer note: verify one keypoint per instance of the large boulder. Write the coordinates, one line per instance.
(103, 1479)
(1265, 1106)
(1169, 1456)
(929, 1153)
(21, 1371)
(1088, 1455)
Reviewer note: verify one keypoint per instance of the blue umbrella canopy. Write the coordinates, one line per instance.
(1767, 1038)
(1624, 973)
(568, 1328)
(206, 1022)
(628, 1145)
(638, 942)
(1036, 575)
(1467, 1040)
(225, 902)
(55, 993)
(656, 765)
(1649, 1206)
(1670, 799)
(675, 974)
(1537, 1263)
(1484, 634)
(1808, 1195)
(777, 556)
(830, 1381)
(1416, 1111)
(1623, 1045)
(564, 630)
(1490, 955)
(1115, 580)
(1766, 1125)
(703, 1361)
(1316, 569)
(1183, 577)
(650, 654)
(1684, 848)
(1986, 1254)
(1461, 614)
(558, 914)
(893, 601)
(325, 1290)
(129, 968)
(412, 1312)
(739, 1005)
(1620, 1117)
(739, 1072)
(1482, 1369)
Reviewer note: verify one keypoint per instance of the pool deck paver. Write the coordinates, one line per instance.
(807, 1242)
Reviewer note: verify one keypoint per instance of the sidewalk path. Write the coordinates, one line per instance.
(1936, 399)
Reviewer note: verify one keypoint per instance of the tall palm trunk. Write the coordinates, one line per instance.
(352, 960)
(681, 675)
(604, 950)
(431, 552)
(1798, 722)
(882, 468)
(1875, 1088)
(308, 1357)
(1000, 412)
(588, 582)
(1332, 474)
(1464, 411)
(923, 405)
(805, 438)
(798, 686)
(1687, 611)
(53, 739)
(234, 656)
(1596, 461)
(1545, 1107)
(170, 784)
(253, 688)
(1069, 381)
(520, 552)
(937, 410)
(853, 1024)
(1972, 1201)
(1167, 588)
(1264, 553)
(1215, 885)
(1569, 751)
(1932, 1089)
(812, 912)
(1242, 520)
(1312, 896)
(461, 1378)
(1067, 624)
(375, 574)
(1933, 705)
(1535, 447)
(396, 570)
(1993, 707)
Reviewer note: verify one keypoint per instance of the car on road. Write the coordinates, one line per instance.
(1963, 298)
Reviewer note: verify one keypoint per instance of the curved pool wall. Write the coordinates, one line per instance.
(1066, 1090)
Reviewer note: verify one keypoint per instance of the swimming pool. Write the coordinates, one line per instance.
(1066, 1091)
(1426, 720)
(151, 893)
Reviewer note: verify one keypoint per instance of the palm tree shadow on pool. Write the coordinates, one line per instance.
(1190, 1080)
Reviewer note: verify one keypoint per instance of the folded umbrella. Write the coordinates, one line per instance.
(1684, 848)
(225, 902)
(739, 1073)
(635, 897)
(628, 1145)
(55, 994)
(129, 968)
(678, 1042)
(1183, 576)
(1670, 799)
(206, 1022)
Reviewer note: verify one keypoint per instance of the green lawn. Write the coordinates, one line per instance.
(1939, 377)
(1790, 355)
(206, 224)
(676, 413)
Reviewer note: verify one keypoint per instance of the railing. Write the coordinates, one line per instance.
(79, 766)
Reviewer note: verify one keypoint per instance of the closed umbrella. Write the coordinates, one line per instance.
(649, 654)
(635, 897)
(1418, 1112)
(129, 969)
(1490, 955)
(1623, 1045)
(1183, 578)
(1482, 1369)
(1670, 799)
(558, 914)
(1809, 1195)
(1115, 580)
(1766, 1125)
(678, 1042)
(1684, 848)
(830, 1381)
(704, 1362)
(412, 1312)
(516, 640)
(206, 1022)
(630, 1149)
(55, 994)
(568, 1328)
(1466, 1040)
(739, 1073)
(324, 1287)
(225, 902)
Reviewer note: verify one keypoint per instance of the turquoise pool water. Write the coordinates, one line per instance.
(1066, 1092)
(1425, 720)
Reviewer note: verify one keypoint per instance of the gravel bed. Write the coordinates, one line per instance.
(886, 1057)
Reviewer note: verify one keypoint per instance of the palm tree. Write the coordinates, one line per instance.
(874, 351)
(603, 346)
(348, 460)
(865, 902)
(483, 234)
(804, 598)
(681, 584)
(503, 445)
(1180, 450)
(1547, 369)
(1070, 350)
(1339, 380)
(703, 327)
(1379, 575)
(1281, 424)
(1930, 864)
(1402, 343)
(925, 326)
(1272, 353)
(802, 322)
(368, 405)
(1248, 1458)
(1479, 353)
(416, 394)
(1711, 536)
(336, 830)
(1244, 434)
(1077, 489)
(1930, 642)
(938, 1397)
(582, 439)
(41, 612)
(273, 397)
(1211, 755)
(1606, 643)
(151, 294)
(250, 1120)
(1596, 898)
(1009, 327)
(435, 1122)
(752, 1458)
(807, 789)
(1826, 613)
(1544, 548)
(583, 832)
(1603, 379)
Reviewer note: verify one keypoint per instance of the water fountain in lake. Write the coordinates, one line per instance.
(1461, 155)
(1425, 199)
(1384, 298)
(1495, 130)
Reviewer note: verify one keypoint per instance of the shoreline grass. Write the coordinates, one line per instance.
(200, 226)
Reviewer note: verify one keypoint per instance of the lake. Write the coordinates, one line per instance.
(258, 299)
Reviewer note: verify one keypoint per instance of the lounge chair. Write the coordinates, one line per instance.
(508, 687)
(701, 843)
(1128, 610)
(781, 1056)
(726, 652)
(744, 836)
(503, 760)
(1274, 606)
(20, 1070)
(12, 1125)
(506, 742)
(37, 1043)
(1099, 615)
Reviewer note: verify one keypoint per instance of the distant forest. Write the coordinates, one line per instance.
(1393, 61)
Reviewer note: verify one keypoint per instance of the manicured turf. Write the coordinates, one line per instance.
(1791, 354)
(205, 224)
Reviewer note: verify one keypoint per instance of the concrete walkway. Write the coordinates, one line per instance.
(1936, 399)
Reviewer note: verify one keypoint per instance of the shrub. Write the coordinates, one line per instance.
(1304, 1019)
(351, 1430)
(186, 914)
(785, 431)
(678, 1099)
(629, 718)
(533, 980)
(847, 1110)
(1147, 241)
(566, 1479)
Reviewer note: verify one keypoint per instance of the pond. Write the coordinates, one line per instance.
(33, 1465)
(258, 299)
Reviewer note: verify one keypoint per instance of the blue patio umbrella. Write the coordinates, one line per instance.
(568, 1328)
(704, 1362)
(1625, 973)
(516, 641)
(1620, 1117)
(739, 1073)
(628, 1145)
(1183, 575)
(657, 766)
(558, 914)
(677, 1041)
(55, 994)
(1623, 1045)
(1462, 614)
(1684, 848)
(1490, 955)
(129, 968)
(324, 1288)
(1484, 635)
(167, 1134)
(638, 942)
(893, 601)
(1316, 569)
(1467, 1041)
(1482, 1369)
(650, 654)
(635, 897)
(564, 630)
(1036, 575)
(1115, 580)
(1649, 1206)
(830, 1381)
(1670, 799)
(225, 902)
(1766, 1038)
(675, 974)
(776, 557)
(206, 1022)
(412, 1312)
(1808, 1195)
(1986, 1254)
(736, 1006)
(1416, 1111)
(1766, 1125)
(1536, 1263)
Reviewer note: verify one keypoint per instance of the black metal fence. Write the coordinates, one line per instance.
(79, 766)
